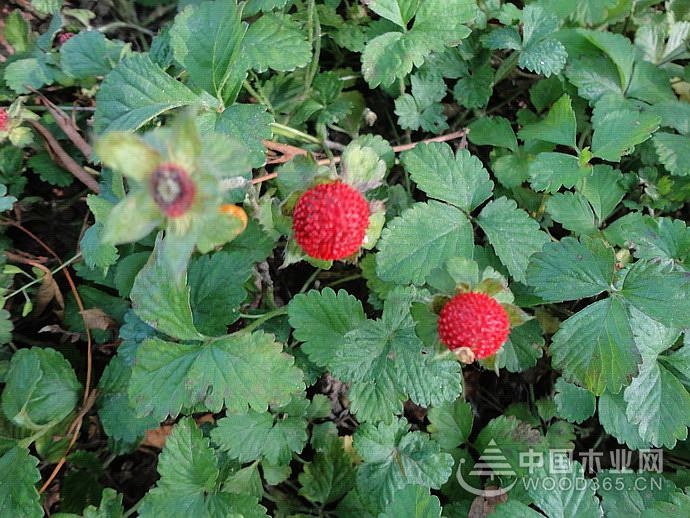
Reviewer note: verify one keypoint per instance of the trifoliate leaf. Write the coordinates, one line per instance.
(572, 269)
(136, 91)
(474, 90)
(574, 403)
(558, 127)
(492, 131)
(189, 475)
(413, 501)
(577, 496)
(551, 171)
(460, 180)
(656, 403)
(18, 495)
(673, 152)
(658, 291)
(275, 41)
(595, 347)
(262, 435)
(322, 319)
(512, 233)
(90, 54)
(40, 388)
(413, 244)
(450, 423)
(240, 371)
(394, 457)
(573, 212)
(206, 39)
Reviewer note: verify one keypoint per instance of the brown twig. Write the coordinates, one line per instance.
(65, 124)
(67, 161)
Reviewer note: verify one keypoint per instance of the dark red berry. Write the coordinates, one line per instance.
(474, 320)
(172, 189)
(62, 38)
(330, 221)
(4, 119)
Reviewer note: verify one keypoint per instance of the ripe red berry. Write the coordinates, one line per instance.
(62, 38)
(4, 118)
(330, 221)
(474, 320)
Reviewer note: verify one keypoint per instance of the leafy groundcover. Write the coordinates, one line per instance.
(168, 348)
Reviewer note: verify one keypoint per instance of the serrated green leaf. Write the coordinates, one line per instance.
(17, 31)
(617, 47)
(512, 233)
(523, 348)
(574, 403)
(40, 388)
(572, 269)
(513, 509)
(546, 57)
(658, 403)
(362, 167)
(460, 180)
(610, 143)
(413, 501)
(612, 416)
(32, 72)
(577, 497)
(90, 54)
(110, 506)
(492, 131)
(399, 12)
(594, 77)
(673, 152)
(275, 41)
(658, 291)
(330, 475)
(394, 457)
(551, 171)
(19, 497)
(573, 212)
(322, 319)
(238, 371)
(97, 254)
(475, 89)
(136, 91)
(450, 423)
(250, 124)
(413, 244)
(627, 494)
(206, 39)
(603, 190)
(165, 306)
(595, 347)
(674, 114)
(558, 127)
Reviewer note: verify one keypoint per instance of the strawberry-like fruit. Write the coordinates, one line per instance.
(474, 320)
(330, 221)
(62, 38)
(4, 119)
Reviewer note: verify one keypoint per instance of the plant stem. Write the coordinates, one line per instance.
(36, 281)
(289, 132)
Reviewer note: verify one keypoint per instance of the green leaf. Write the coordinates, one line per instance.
(574, 403)
(189, 476)
(413, 501)
(572, 269)
(390, 56)
(250, 124)
(275, 41)
(512, 233)
(362, 167)
(673, 152)
(653, 238)
(475, 89)
(573, 212)
(595, 347)
(640, 491)
(205, 39)
(49, 171)
(492, 131)
(330, 475)
(17, 31)
(217, 289)
(413, 244)
(41, 388)
(18, 495)
(603, 190)
(165, 306)
(609, 142)
(322, 319)
(399, 12)
(32, 72)
(658, 403)
(240, 371)
(513, 509)
(523, 348)
(577, 497)
(594, 77)
(658, 291)
(460, 180)
(136, 91)
(394, 457)
(551, 171)
(90, 54)
(674, 114)
(252, 436)
(450, 423)
(613, 418)
(558, 127)
(110, 506)
(618, 48)
(97, 254)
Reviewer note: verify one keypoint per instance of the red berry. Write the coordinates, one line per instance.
(172, 189)
(474, 320)
(4, 118)
(62, 38)
(330, 221)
